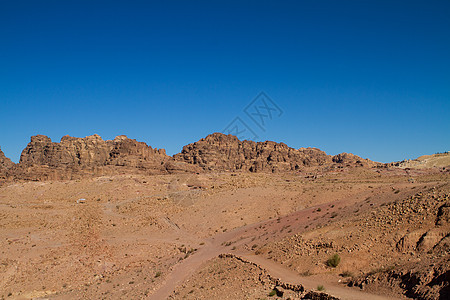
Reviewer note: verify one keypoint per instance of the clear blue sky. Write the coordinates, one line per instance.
(367, 77)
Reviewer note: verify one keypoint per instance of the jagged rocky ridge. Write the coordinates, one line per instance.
(222, 152)
(92, 156)
(91, 151)
(5, 163)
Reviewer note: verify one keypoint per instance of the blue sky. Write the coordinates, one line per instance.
(367, 77)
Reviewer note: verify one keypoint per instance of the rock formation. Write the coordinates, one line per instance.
(438, 160)
(92, 156)
(222, 152)
(91, 151)
(5, 163)
(351, 159)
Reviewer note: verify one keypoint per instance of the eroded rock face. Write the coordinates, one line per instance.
(351, 159)
(91, 151)
(222, 152)
(83, 152)
(5, 163)
(443, 216)
(227, 153)
(75, 157)
(424, 280)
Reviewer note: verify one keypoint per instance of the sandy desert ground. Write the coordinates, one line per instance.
(228, 235)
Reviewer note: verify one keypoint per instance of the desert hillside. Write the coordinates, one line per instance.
(223, 219)
(438, 160)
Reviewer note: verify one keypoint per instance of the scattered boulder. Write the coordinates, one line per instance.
(313, 295)
(443, 247)
(279, 290)
(430, 239)
(443, 216)
(409, 241)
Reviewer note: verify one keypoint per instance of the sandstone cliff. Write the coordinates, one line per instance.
(351, 159)
(90, 152)
(222, 152)
(5, 163)
(91, 156)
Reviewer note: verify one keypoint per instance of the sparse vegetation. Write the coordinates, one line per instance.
(445, 152)
(334, 261)
(158, 274)
(320, 288)
(272, 293)
(347, 274)
(379, 270)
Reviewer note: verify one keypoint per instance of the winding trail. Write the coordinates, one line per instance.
(289, 276)
(187, 267)
(220, 244)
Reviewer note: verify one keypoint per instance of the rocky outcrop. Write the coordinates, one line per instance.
(351, 159)
(222, 152)
(438, 160)
(443, 216)
(83, 152)
(424, 280)
(74, 158)
(91, 156)
(91, 151)
(5, 163)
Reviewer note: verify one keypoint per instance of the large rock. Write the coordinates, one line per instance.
(5, 163)
(410, 241)
(351, 159)
(91, 156)
(425, 279)
(222, 152)
(443, 216)
(91, 151)
(79, 152)
(432, 238)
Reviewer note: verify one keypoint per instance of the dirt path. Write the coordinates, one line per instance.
(217, 245)
(213, 248)
(289, 276)
(183, 270)
(239, 236)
